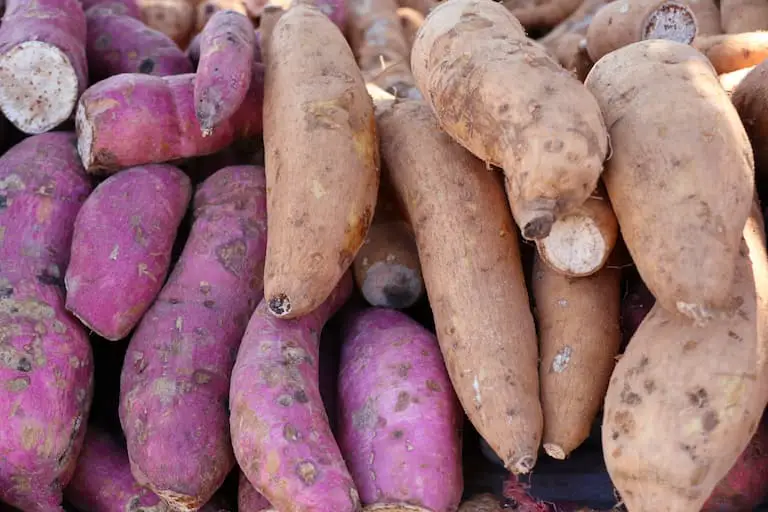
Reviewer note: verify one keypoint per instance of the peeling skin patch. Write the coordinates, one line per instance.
(561, 359)
(476, 387)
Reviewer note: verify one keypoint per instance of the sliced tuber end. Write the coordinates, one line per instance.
(672, 21)
(84, 137)
(279, 305)
(523, 465)
(391, 285)
(394, 507)
(38, 86)
(575, 246)
(555, 451)
(539, 226)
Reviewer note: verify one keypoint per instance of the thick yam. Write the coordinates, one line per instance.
(623, 22)
(731, 52)
(46, 364)
(279, 426)
(43, 68)
(541, 14)
(248, 498)
(314, 97)
(667, 196)
(120, 44)
(103, 481)
(500, 95)
(207, 9)
(175, 381)
(751, 101)
(225, 68)
(579, 337)
(123, 7)
(744, 15)
(134, 119)
(400, 421)
(121, 247)
(174, 18)
(580, 242)
(474, 278)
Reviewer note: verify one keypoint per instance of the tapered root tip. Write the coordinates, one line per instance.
(539, 226)
(555, 451)
(280, 305)
(672, 21)
(523, 465)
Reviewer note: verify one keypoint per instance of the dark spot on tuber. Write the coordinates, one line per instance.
(3, 202)
(397, 434)
(639, 368)
(710, 421)
(433, 386)
(307, 472)
(24, 365)
(698, 397)
(629, 397)
(290, 433)
(209, 304)
(104, 159)
(280, 305)
(504, 108)
(403, 401)
(403, 369)
(45, 277)
(285, 400)
(147, 66)
(398, 296)
(539, 227)
(511, 413)
(649, 386)
(300, 396)
(625, 422)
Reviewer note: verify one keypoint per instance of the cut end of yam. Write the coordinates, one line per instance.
(391, 285)
(279, 305)
(555, 451)
(38, 86)
(84, 137)
(672, 21)
(394, 507)
(523, 465)
(575, 246)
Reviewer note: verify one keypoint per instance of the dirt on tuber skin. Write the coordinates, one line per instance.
(503, 97)
(46, 364)
(280, 431)
(175, 381)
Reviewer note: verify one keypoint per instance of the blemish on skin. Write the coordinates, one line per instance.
(114, 253)
(561, 359)
(476, 387)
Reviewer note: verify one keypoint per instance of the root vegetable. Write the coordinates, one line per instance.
(225, 68)
(541, 14)
(121, 44)
(175, 381)
(207, 10)
(751, 101)
(193, 50)
(545, 130)
(411, 21)
(121, 7)
(740, 16)
(422, 6)
(399, 417)
(121, 247)
(249, 499)
(623, 22)
(448, 191)
(133, 119)
(174, 18)
(731, 52)
(730, 81)
(320, 208)
(579, 337)
(707, 16)
(280, 430)
(43, 68)
(668, 197)
(46, 364)
(335, 10)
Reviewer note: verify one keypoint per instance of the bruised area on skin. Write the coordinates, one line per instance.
(175, 380)
(46, 366)
(400, 420)
(157, 114)
(280, 430)
(121, 248)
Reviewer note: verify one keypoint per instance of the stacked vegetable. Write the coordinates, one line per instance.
(244, 204)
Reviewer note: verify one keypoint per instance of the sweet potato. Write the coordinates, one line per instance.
(225, 68)
(46, 364)
(580, 242)
(400, 421)
(541, 14)
(411, 21)
(123, 7)
(731, 52)
(545, 129)
(579, 337)
(174, 18)
(422, 6)
(121, 44)
(448, 191)
(121, 247)
(103, 481)
(312, 239)
(248, 498)
(751, 101)
(730, 81)
(382, 51)
(623, 22)
(175, 381)
(43, 68)
(707, 16)
(133, 119)
(280, 430)
(336, 10)
(744, 15)
(207, 9)
(667, 196)
(193, 49)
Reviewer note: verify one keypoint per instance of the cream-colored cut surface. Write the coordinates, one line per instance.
(84, 136)
(575, 246)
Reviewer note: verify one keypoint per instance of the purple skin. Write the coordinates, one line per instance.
(279, 426)
(223, 76)
(58, 24)
(124, 7)
(248, 498)
(134, 119)
(175, 380)
(121, 249)
(399, 419)
(103, 481)
(193, 48)
(120, 44)
(46, 365)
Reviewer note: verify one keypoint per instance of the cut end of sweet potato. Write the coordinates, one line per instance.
(672, 21)
(539, 226)
(523, 465)
(394, 507)
(279, 305)
(575, 246)
(555, 451)
(38, 86)
(391, 285)
(84, 136)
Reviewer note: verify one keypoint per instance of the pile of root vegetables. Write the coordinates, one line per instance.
(218, 221)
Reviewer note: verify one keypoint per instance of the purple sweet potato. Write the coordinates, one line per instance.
(123, 7)
(175, 381)
(134, 119)
(280, 430)
(43, 69)
(248, 498)
(103, 481)
(121, 248)
(227, 45)
(193, 49)
(399, 417)
(45, 357)
(120, 44)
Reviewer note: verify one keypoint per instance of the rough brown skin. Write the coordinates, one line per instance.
(503, 97)
(731, 52)
(541, 14)
(174, 18)
(668, 196)
(411, 21)
(579, 337)
(320, 204)
(750, 98)
(468, 247)
(269, 16)
(730, 81)
(624, 22)
(378, 41)
(744, 15)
